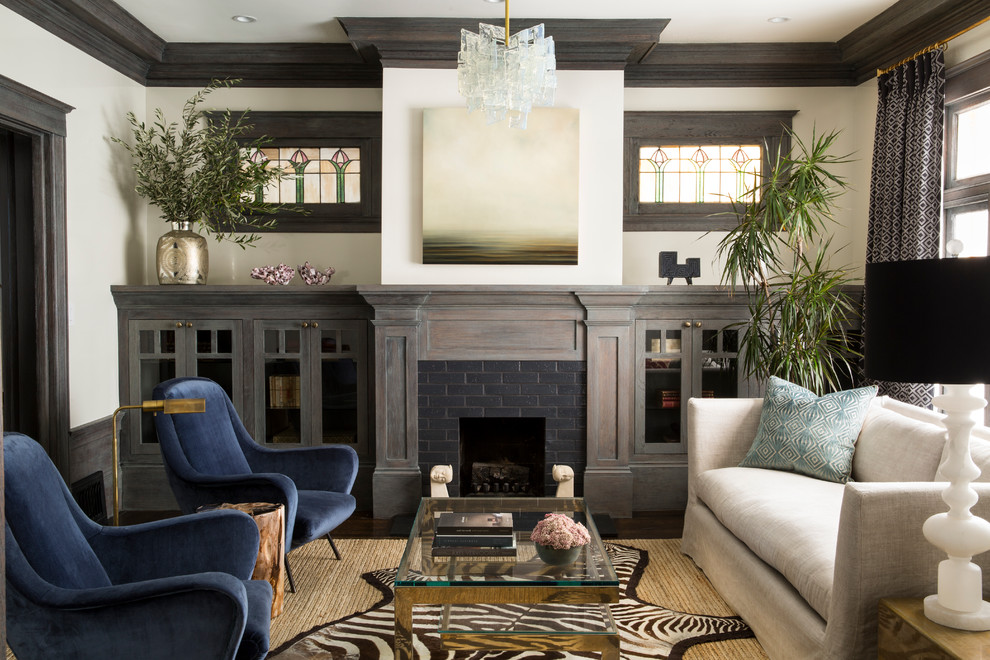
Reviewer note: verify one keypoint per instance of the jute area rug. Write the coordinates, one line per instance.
(343, 609)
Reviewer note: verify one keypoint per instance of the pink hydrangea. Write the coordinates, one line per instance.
(559, 531)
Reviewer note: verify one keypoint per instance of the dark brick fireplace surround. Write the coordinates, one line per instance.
(550, 390)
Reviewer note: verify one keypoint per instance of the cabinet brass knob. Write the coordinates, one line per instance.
(305, 325)
(315, 324)
(697, 324)
(188, 324)
(687, 324)
(178, 324)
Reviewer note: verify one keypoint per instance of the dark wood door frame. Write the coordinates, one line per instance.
(43, 119)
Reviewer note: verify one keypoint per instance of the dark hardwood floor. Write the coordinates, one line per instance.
(643, 525)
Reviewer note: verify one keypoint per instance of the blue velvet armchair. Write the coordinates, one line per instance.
(177, 588)
(210, 458)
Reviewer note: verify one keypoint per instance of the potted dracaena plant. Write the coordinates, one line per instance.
(779, 254)
(201, 171)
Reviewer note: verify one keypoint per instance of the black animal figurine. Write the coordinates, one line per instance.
(670, 269)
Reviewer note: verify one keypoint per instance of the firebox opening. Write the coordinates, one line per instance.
(502, 456)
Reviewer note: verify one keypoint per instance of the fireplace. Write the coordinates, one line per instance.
(502, 456)
(542, 403)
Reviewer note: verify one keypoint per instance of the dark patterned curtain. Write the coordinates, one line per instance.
(906, 182)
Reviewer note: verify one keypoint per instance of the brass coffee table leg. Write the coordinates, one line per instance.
(403, 646)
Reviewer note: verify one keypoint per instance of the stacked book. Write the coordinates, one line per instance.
(474, 535)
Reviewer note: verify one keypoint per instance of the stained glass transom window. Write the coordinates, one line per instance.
(318, 175)
(698, 173)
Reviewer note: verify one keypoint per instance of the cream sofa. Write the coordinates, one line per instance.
(804, 561)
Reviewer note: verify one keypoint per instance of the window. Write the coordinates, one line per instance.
(698, 173)
(683, 169)
(336, 160)
(966, 211)
(321, 175)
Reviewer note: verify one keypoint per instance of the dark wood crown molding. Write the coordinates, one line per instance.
(101, 28)
(434, 42)
(905, 29)
(740, 65)
(263, 65)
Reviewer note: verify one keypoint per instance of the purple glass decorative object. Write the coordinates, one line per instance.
(280, 274)
(315, 276)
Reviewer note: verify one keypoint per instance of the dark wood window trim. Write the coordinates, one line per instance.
(43, 119)
(967, 85)
(324, 129)
(643, 128)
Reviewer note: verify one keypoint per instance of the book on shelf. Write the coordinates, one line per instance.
(476, 551)
(474, 524)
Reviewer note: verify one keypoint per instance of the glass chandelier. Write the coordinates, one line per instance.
(506, 76)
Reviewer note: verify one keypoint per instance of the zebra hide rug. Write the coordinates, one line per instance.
(645, 630)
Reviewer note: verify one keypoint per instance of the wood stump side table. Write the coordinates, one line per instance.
(904, 632)
(270, 566)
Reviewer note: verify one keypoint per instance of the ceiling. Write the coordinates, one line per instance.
(657, 43)
(314, 21)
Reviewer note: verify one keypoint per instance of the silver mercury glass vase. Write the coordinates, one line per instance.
(182, 256)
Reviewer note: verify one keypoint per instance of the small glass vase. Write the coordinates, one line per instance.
(556, 556)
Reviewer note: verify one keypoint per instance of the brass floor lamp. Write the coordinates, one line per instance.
(167, 407)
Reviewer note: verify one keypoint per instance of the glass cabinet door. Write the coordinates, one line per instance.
(212, 347)
(677, 360)
(170, 349)
(314, 383)
(664, 373)
(341, 384)
(720, 368)
(155, 359)
(282, 415)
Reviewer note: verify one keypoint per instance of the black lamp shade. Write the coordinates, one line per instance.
(928, 321)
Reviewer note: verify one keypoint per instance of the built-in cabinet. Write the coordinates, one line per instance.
(687, 344)
(309, 366)
(675, 361)
(294, 363)
(312, 384)
(160, 349)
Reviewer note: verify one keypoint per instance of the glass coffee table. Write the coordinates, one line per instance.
(508, 603)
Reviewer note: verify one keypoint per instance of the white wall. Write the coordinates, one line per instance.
(851, 110)
(971, 44)
(105, 221)
(598, 96)
(356, 257)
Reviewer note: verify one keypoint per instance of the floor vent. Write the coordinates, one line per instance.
(90, 496)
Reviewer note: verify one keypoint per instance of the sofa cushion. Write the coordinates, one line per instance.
(979, 449)
(802, 432)
(896, 447)
(788, 520)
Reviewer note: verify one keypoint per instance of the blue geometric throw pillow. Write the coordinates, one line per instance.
(811, 435)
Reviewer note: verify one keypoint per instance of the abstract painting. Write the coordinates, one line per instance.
(499, 195)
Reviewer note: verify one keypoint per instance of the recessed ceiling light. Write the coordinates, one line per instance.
(241, 18)
(778, 19)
